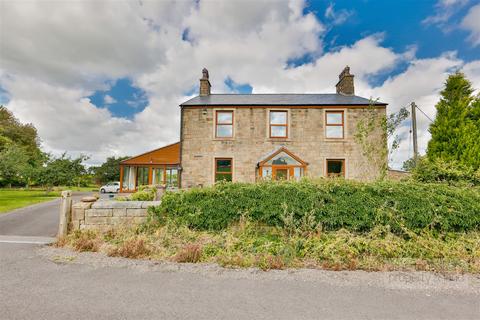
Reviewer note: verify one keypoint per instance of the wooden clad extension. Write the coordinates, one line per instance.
(159, 167)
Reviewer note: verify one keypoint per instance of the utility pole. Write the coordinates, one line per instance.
(414, 128)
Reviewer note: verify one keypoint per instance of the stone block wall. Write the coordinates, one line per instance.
(251, 142)
(105, 214)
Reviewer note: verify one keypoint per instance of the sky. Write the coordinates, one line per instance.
(105, 78)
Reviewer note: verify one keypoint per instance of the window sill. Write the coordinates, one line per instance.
(334, 139)
(279, 139)
(223, 139)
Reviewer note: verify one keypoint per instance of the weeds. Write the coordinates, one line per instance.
(130, 248)
(189, 253)
(249, 244)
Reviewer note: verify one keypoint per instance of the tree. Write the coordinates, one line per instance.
(109, 170)
(20, 154)
(456, 128)
(13, 165)
(63, 171)
(409, 164)
(373, 132)
(14, 132)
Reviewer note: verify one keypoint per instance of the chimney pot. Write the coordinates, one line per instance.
(345, 83)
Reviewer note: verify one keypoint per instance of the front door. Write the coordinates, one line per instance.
(280, 173)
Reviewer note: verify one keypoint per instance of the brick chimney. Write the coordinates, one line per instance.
(345, 83)
(205, 83)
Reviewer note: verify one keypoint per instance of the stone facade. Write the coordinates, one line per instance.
(251, 142)
(104, 214)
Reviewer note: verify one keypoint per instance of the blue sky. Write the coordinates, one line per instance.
(403, 23)
(106, 77)
(123, 99)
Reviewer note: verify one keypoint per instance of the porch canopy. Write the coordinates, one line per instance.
(281, 164)
(159, 166)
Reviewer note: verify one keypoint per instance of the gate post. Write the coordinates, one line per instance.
(65, 213)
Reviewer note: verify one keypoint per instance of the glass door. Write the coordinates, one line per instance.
(282, 173)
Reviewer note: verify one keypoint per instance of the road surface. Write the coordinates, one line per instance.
(37, 220)
(48, 283)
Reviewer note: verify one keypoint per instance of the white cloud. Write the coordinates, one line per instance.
(62, 52)
(109, 99)
(337, 17)
(471, 22)
(443, 12)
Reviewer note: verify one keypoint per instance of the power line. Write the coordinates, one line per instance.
(424, 113)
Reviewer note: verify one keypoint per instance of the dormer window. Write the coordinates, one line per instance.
(278, 124)
(224, 124)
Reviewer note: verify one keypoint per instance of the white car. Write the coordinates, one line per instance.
(110, 187)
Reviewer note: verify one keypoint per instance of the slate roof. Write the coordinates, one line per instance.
(329, 99)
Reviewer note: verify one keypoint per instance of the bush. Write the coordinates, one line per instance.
(326, 204)
(451, 172)
(144, 193)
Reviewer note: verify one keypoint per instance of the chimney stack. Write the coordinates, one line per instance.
(345, 84)
(205, 84)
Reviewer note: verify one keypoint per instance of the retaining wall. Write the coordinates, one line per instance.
(105, 214)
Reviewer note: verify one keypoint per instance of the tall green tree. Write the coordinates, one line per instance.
(456, 128)
(109, 170)
(20, 153)
(13, 131)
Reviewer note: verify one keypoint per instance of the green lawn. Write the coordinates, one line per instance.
(16, 198)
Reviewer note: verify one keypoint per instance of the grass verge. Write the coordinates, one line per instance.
(248, 244)
(11, 199)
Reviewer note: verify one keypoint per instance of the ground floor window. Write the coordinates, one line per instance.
(335, 167)
(128, 182)
(142, 176)
(172, 177)
(133, 177)
(158, 176)
(223, 169)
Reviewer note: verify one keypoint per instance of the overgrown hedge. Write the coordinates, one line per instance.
(334, 203)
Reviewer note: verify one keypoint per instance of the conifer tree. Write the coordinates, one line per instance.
(456, 129)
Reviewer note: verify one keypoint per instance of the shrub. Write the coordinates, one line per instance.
(451, 172)
(144, 193)
(326, 204)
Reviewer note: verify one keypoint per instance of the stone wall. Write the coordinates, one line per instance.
(105, 214)
(250, 142)
(398, 174)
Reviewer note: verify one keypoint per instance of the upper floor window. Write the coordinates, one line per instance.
(224, 124)
(334, 122)
(278, 124)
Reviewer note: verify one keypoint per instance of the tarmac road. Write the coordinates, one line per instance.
(37, 220)
(38, 282)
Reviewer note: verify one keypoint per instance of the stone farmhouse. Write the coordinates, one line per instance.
(247, 137)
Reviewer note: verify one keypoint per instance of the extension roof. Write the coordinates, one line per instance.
(247, 100)
(169, 154)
